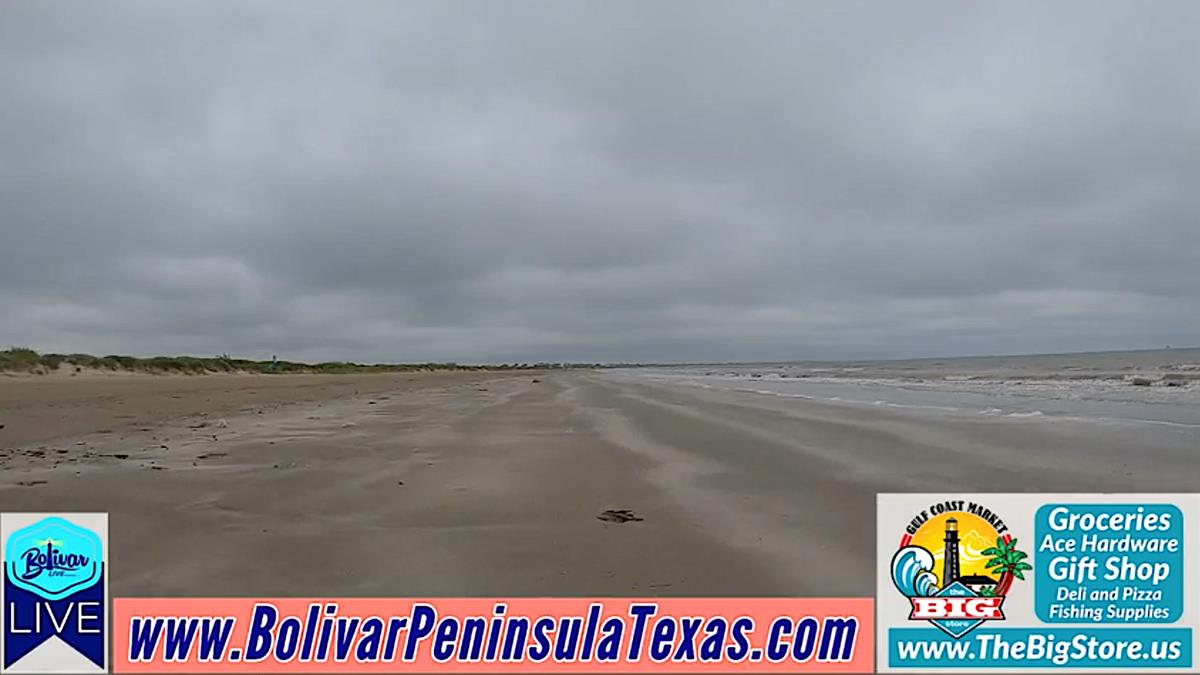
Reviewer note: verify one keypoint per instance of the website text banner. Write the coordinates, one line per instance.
(1038, 582)
(481, 635)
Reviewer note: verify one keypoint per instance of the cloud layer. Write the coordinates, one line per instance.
(598, 180)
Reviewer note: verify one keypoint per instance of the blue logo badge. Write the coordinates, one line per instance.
(55, 599)
(53, 558)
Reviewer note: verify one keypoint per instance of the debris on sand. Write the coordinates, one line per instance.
(1141, 381)
(30, 483)
(208, 455)
(619, 516)
(535, 380)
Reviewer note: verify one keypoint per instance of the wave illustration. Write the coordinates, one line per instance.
(912, 572)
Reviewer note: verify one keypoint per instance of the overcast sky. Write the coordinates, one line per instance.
(652, 181)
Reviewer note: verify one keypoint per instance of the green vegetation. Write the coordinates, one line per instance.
(25, 360)
(19, 358)
(1006, 559)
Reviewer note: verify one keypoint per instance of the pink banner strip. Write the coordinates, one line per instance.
(482, 635)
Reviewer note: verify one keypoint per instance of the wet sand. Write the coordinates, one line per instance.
(492, 483)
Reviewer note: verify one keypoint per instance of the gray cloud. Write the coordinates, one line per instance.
(598, 180)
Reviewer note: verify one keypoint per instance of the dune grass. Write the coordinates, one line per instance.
(25, 360)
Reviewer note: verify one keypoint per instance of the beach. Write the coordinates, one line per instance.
(600, 483)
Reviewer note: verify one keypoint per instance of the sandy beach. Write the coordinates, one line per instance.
(493, 483)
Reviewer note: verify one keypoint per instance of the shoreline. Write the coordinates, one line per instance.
(499, 484)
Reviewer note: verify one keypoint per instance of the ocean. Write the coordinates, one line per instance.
(1149, 387)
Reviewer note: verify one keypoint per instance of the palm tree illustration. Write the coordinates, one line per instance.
(1006, 561)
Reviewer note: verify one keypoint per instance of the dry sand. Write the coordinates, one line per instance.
(491, 483)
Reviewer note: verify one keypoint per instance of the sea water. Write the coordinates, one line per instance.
(1148, 387)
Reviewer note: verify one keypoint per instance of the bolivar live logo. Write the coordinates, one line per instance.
(956, 563)
(55, 600)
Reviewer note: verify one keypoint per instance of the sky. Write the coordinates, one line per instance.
(598, 181)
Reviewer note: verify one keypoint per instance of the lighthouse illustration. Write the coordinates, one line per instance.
(952, 565)
(950, 569)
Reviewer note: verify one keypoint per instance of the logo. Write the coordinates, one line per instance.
(956, 563)
(55, 592)
(53, 558)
